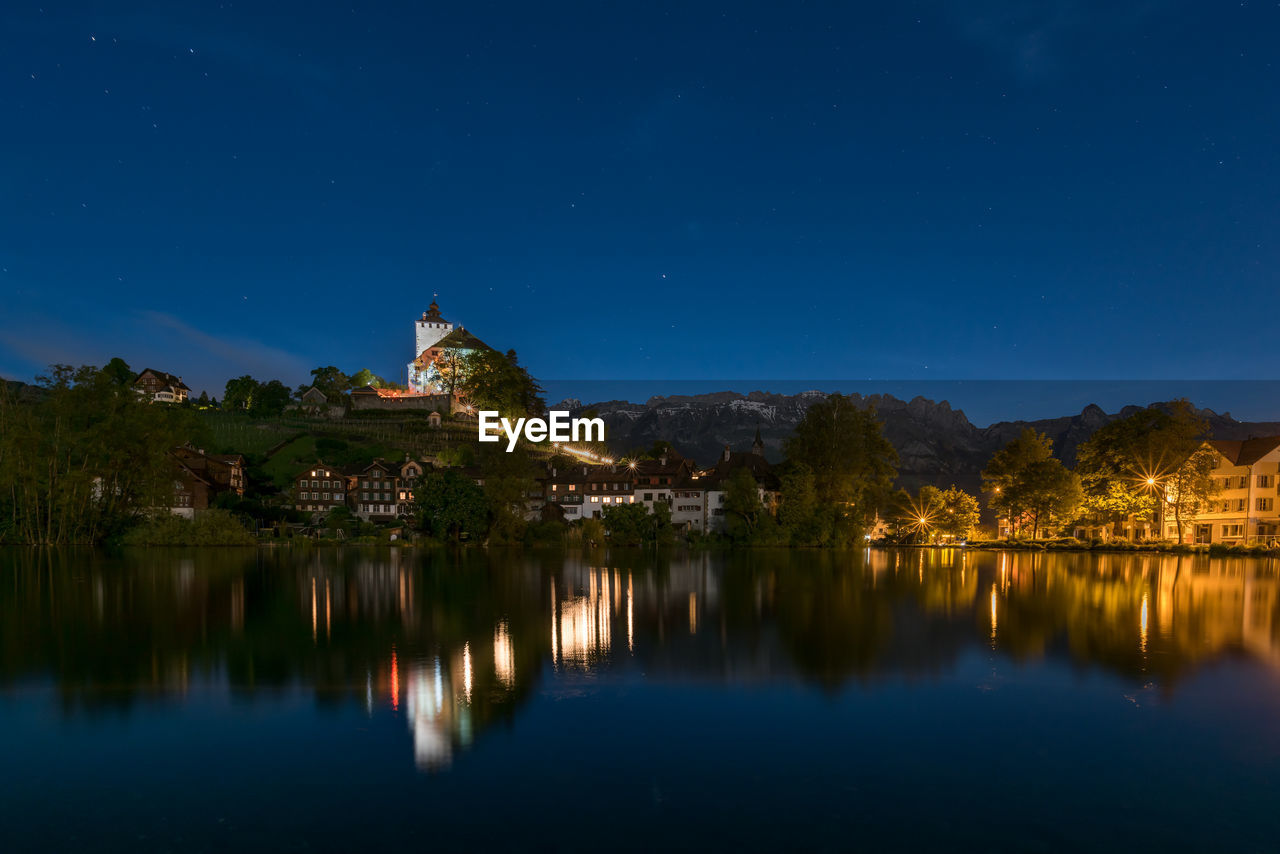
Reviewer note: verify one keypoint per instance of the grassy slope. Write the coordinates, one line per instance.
(286, 445)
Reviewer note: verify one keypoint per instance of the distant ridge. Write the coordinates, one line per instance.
(937, 444)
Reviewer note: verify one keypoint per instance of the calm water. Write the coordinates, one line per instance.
(349, 699)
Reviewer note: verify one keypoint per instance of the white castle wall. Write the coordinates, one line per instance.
(427, 333)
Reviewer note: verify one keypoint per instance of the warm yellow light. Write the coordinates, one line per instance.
(1151, 481)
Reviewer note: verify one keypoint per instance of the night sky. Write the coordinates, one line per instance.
(916, 191)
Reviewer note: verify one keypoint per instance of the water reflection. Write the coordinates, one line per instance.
(457, 644)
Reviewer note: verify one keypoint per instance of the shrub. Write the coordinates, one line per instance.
(209, 528)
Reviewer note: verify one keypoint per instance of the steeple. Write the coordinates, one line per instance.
(757, 447)
(433, 312)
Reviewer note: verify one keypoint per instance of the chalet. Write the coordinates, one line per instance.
(375, 492)
(320, 488)
(191, 492)
(224, 472)
(161, 387)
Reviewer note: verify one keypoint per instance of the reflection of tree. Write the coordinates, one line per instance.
(456, 641)
(831, 622)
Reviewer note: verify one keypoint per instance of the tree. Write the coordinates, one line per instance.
(449, 504)
(451, 371)
(634, 525)
(1026, 483)
(958, 512)
(1051, 493)
(1123, 467)
(118, 373)
(365, 377)
(509, 481)
(330, 381)
(240, 392)
(84, 461)
(271, 398)
(951, 512)
(1191, 486)
(743, 509)
(488, 379)
(853, 464)
(797, 509)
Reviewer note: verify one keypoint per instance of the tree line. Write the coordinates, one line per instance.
(85, 457)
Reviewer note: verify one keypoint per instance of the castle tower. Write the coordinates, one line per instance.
(429, 329)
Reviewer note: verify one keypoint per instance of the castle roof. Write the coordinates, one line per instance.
(433, 313)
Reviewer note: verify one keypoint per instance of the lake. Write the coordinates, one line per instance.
(352, 699)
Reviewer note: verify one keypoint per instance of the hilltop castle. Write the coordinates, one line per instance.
(432, 335)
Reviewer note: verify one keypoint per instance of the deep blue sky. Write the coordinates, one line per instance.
(905, 190)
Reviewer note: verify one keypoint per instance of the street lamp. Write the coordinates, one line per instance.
(1153, 483)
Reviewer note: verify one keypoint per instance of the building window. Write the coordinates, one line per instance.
(595, 499)
(573, 487)
(1263, 504)
(1266, 480)
(553, 487)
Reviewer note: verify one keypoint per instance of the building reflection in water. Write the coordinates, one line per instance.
(504, 660)
(581, 622)
(456, 643)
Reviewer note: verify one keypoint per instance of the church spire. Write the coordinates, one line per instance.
(757, 447)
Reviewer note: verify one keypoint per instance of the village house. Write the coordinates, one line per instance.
(409, 475)
(199, 478)
(161, 387)
(656, 479)
(1246, 509)
(320, 488)
(375, 492)
(565, 489)
(225, 472)
(191, 492)
(715, 482)
(605, 487)
(317, 404)
(689, 505)
(585, 491)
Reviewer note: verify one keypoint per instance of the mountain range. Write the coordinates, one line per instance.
(936, 443)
